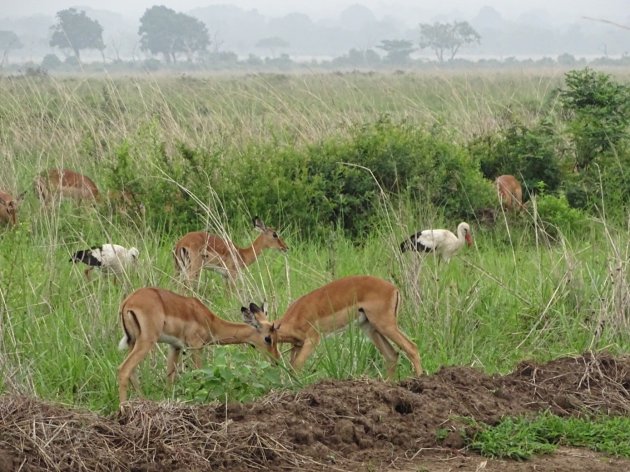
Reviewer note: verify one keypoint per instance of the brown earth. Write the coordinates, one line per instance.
(331, 425)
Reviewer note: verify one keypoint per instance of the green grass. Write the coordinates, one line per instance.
(514, 295)
(522, 438)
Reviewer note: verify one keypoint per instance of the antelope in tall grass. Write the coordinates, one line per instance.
(198, 250)
(509, 192)
(153, 315)
(9, 208)
(373, 302)
(54, 184)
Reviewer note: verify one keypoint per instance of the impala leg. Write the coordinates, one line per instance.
(385, 348)
(393, 333)
(126, 369)
(171, 364)
(303, 352)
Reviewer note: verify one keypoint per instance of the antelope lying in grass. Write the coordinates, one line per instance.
(153, 315)
(198, 250)
(373, 302)
(64, 183)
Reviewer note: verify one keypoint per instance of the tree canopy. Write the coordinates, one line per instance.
(76, 31)
(8, 41)
(447, 37)
(398, 50)
(167, 32)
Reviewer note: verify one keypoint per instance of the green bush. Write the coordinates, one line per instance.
(557, 215)
(598, 113)
(529, 153)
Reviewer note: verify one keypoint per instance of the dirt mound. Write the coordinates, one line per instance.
(332, 425)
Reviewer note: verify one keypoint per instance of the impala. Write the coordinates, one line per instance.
(199, 249)
(8, 208)
(59, 183)
(510, 192)
(153, 315)
(372, 301)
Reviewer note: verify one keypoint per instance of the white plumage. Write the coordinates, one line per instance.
(111, 258)
(441, 241)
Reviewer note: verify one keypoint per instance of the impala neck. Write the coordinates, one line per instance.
(249, 254)
(226, 332)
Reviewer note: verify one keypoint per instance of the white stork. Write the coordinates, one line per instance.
(107, 257)
(441, 241)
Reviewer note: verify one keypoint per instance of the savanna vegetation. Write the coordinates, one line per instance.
(345, 166)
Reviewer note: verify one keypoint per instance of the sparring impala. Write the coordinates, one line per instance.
(64, 183)
(153, 315)
(373, 302)
(510, 192)
(198, 250)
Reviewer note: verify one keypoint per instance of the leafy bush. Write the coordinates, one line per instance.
(557, 215)
(51, 61)
(529, 153)
(336, 183)
(232, 376)
(598, 112)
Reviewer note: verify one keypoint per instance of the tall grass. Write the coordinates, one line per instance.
(516, 294)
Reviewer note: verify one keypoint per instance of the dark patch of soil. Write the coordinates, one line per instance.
(331, 425)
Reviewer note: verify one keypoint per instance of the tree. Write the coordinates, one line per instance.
(447, 37)
(76, 31)
(398, 50)
(8, 41)
(272, 43)
(164, 31)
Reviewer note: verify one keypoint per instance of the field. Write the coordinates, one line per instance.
(541, 312)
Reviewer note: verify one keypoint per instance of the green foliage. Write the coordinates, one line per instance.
(398, 50)
(447, 37)
(232, 376)
(51, 61)
(598, 112)
(76, 31)
(528, 153)
(522, 438)
(557, 215)
(164, 31)
(8, 42)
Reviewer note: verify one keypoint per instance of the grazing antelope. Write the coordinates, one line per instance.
(59, 183)
(107, 257)
(372, 301)
(153, 315)
(510, 192)
(441, 241)
(8, 208)
(199, 249)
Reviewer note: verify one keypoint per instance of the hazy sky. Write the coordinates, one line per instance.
(564, 10)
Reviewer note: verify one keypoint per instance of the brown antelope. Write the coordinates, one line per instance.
(153, 315)
(199, 249)
(373, 301)
(8, 208)
(510, 192)
(59, 183)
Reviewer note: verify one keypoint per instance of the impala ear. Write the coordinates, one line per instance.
(255, 308)
(249, 318)
(258, 223)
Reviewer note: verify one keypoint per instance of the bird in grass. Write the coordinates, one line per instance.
(110, 258)
(441, 241)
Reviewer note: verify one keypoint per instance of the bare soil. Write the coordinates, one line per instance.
(331, 425)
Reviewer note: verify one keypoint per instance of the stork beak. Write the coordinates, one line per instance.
(469, 239)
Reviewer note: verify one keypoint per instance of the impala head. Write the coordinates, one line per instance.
(270, 236)
(8, 208)
(464, 229)
(267, 338)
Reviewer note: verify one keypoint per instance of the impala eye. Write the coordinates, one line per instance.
(275, 235)
(268, 339)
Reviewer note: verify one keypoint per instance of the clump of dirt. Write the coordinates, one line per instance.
(331, 425)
